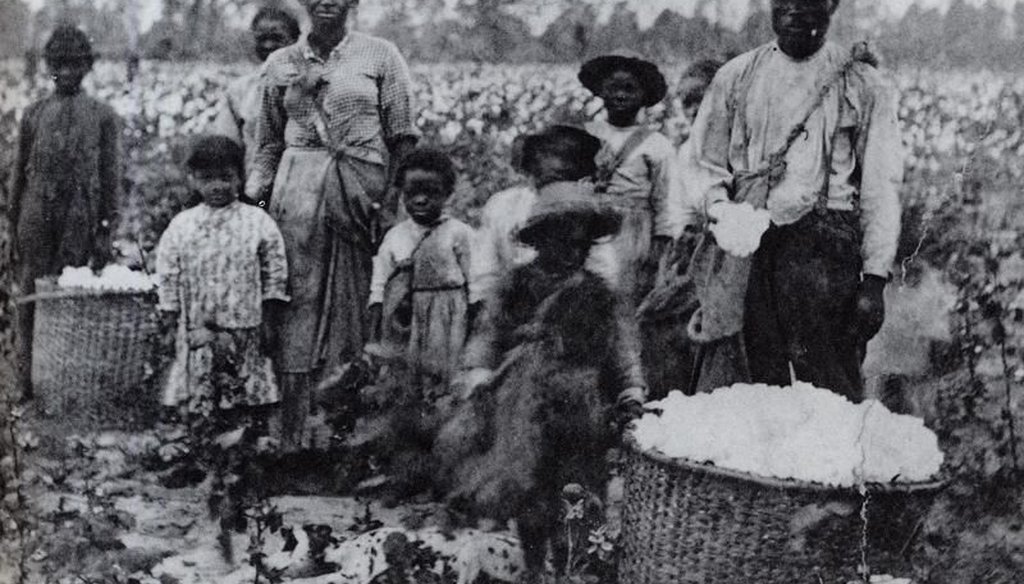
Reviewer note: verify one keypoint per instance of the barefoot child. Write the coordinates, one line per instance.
(637, 168)
(546, 366)
(222, 275)
(65, 183)
(432, 250)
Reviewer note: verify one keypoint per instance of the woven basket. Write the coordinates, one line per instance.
(689, 522)
(90, 351)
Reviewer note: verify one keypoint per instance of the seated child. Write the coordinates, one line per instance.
(223, 274)
(543, 372)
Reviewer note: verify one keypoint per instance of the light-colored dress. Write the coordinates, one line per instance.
(647, 189)
(440, 258)
(217, 266)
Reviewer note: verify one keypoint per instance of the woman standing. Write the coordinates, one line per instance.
(336, 116)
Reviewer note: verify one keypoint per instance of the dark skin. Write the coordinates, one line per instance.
(219, 187)
(801, 25)
(623, 97)
(329, 25)
(269, 35)
(425, 192)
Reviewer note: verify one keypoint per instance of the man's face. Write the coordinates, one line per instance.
(800, 25)
(68, 72)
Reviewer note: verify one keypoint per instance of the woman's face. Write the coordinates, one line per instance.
(271, 34)
(327, 13)
(801, 25)
(218, 187)
(425, 194)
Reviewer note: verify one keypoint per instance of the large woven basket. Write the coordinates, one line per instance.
(90, 351)
(696, 523)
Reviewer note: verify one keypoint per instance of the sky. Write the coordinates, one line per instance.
(734, 11)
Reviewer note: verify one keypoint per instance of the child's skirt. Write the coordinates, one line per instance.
(438, 331)
(220, 370)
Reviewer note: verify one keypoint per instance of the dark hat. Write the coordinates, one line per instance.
(214, 151)
(574, 142)
(68, 42)
(594, 71)
(569, 202)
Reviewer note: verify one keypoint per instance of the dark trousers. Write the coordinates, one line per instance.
(799, 310)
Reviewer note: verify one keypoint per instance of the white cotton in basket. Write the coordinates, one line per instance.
(799, 432)
(112, 277)
(738, 227)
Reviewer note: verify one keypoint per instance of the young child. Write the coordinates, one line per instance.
(543, 370)
(637, 167)
(65, 182)
(559, 153)
(272, 28)
(223, 278)
(433, 251)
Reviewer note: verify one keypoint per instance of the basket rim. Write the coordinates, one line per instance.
(80, 293)
(774, 482)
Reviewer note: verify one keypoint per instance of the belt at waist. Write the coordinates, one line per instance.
(357, 152)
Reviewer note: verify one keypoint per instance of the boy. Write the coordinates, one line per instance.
(637, 168)
(65, 183)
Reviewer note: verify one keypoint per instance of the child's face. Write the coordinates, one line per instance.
(218, 187)
(550, 166)
(425, 194)
(622, 93)
(270, 35)
(68, 72)
(691, 91)
(563, 247)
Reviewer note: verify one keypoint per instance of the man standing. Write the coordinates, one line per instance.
(820, 129)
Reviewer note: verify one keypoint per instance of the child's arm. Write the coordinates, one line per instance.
(168, 267)
(666, 198)
(464, 256)
(273, 281)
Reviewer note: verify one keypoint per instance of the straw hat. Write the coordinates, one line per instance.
(569, 202)
(596, 70)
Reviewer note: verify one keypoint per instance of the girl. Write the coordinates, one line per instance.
(637, 172)
(65, 183)
(223, 274)
(434, 251)
(543, 370)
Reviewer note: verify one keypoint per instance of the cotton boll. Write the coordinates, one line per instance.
(738, 227)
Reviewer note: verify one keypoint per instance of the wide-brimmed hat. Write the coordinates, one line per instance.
(68, 42)
(594, 71)
(569, 202)
(571, 139)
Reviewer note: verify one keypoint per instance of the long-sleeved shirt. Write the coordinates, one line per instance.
(237, 112)
(497, 251)
(367, 96)
(648, 176)
(66, 178)
(750, 108)
(443, 260)
(220, 265)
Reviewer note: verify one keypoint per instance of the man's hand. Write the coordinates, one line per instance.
(468, 382)
(869, 311)
(630, 405)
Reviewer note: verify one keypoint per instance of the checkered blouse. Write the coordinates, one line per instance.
(366, 92)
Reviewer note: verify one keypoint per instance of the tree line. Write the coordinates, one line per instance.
(964, 36)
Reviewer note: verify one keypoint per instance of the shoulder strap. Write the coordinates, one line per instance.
(409, 263)
(606, 171)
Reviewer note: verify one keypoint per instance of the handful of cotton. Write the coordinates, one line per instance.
(738, 227)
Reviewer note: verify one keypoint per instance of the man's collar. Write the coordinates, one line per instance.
(309, 54)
